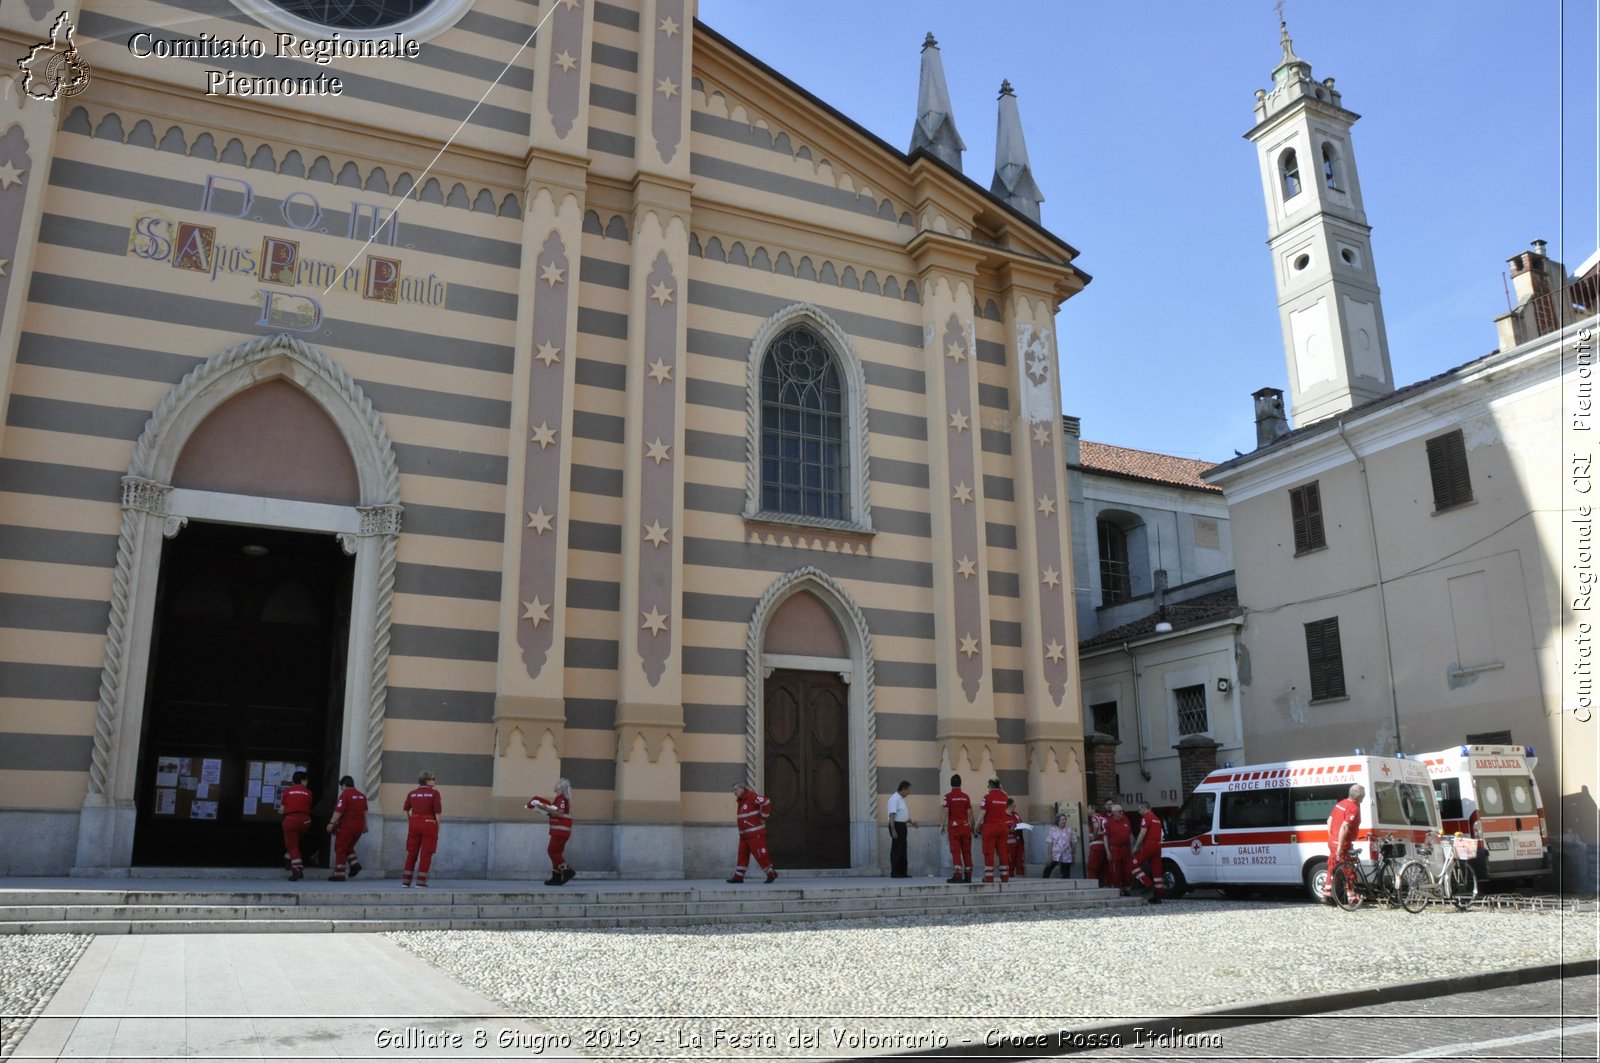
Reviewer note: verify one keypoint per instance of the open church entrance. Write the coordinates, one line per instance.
(246, 674)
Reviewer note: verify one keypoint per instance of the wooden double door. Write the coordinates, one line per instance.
(807, 762)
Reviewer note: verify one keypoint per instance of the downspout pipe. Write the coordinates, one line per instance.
(1377, 566)
(1138, 713)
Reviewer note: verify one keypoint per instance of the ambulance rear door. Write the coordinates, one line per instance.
(1508, 811)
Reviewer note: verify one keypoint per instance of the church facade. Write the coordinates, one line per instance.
(591, 403)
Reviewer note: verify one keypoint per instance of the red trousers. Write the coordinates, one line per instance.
(558, 849)
(1147, 870)
(1019, 856)
(996, 853)
(421, 840)
(344, 848)
(961, 850)
(1097, 861)
(295, 825)
(753, 844)
(1117, 867)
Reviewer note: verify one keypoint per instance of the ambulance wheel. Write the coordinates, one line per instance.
(1316, 879)
(1176, 885)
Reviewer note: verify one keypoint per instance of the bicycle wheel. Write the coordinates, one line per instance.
(1346, 887)
(1463, 886)
(1413, 885)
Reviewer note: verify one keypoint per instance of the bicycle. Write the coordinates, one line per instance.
(1455, 881)
(1393, 877)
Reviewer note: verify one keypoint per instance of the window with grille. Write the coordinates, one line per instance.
(1104, 718)
(1447, 465)
(803, 455)
(1192, 710)
(1305, 507)
(1325, 658)
(1116, 583)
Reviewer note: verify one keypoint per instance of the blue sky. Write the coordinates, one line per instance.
(1478, 135)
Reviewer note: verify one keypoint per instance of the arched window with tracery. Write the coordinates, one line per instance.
(804, 454)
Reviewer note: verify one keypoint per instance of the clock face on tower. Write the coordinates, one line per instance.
(354, 14)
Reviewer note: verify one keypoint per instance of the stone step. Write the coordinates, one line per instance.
(384, 921)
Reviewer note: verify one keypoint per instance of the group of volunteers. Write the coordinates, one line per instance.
(1124, 852)
(1121, 852)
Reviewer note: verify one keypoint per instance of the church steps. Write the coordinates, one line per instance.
(379, 909)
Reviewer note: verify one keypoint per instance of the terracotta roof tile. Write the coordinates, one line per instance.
(1144, 465)
(1180, 615)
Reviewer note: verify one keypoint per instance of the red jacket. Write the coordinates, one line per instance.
(1119, 832)
(1012, 819)
(958, 811)
(423, 802)
(352, 811)
(1150, 823)
(1346, 811)
(994, 812)
(295, 799)
(561, 818)
(753, 811)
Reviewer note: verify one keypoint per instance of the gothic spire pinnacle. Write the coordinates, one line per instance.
(1013, 176)
(935, 129)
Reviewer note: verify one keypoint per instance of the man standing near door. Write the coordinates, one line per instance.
(958, 823)
(424, 808)
(995, 829)
(752, 814)
(348, 824)
(899, 819)
(294, 801)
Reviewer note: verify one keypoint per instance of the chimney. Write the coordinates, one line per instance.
(1270, 420)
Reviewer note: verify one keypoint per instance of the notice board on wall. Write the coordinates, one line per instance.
(263, 779)
(188, 787)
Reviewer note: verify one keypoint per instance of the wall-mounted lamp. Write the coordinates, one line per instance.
(1223, 686)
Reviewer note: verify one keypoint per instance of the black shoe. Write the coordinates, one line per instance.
(355, 869)
(553, 880)
(567, 875)
(296, 876)
(1155, 900)
(335, 878)
(737, 878)
(957, 877)
(772, 876)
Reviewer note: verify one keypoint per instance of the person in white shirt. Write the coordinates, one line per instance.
(1063, 842)
(899, 817)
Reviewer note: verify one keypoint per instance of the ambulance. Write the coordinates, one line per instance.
(1263, 825)
(1488, 792)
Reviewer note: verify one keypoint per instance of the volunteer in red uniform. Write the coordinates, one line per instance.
(958, 825)
(348, 824)
(1344, 827)
(753, 810)
(1096, 854)
(424, 808)
(995, 829)
(294, 801)
(1018, 844)
(1147, 870)
(559, 809)
(1119, 835)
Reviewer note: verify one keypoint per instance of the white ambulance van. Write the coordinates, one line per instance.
(1263, 825)
(1488, 792)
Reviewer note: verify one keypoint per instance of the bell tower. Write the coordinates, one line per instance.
(1328, 301)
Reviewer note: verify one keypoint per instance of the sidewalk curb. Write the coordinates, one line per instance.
(1070, 1041)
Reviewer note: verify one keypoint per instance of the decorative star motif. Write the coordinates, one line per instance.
(658, 451)
(955, 351)
(966, 567)
(655, 621)
(1052, 578)
(660, 371)
(536, 611)
(544, 435)
(1041, 435)
(1047, 505)
(667, 88)
(958, 421)
(552, 274)
(565, 61)
(661, 294)
(1055, 651)
(969, 645)
(1039, 367)
(539, 520)
(963, 493)
(669, 27)
(549, 353)
(10, 175)
(655, 533)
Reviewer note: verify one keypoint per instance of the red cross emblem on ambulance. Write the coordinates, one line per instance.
(1386, 771)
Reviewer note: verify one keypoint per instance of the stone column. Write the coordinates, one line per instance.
(29, 117)
(1197, 758)
(966, 728)
(1054, 731)
(647, 840)
(1101, 781)
(530, 688)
